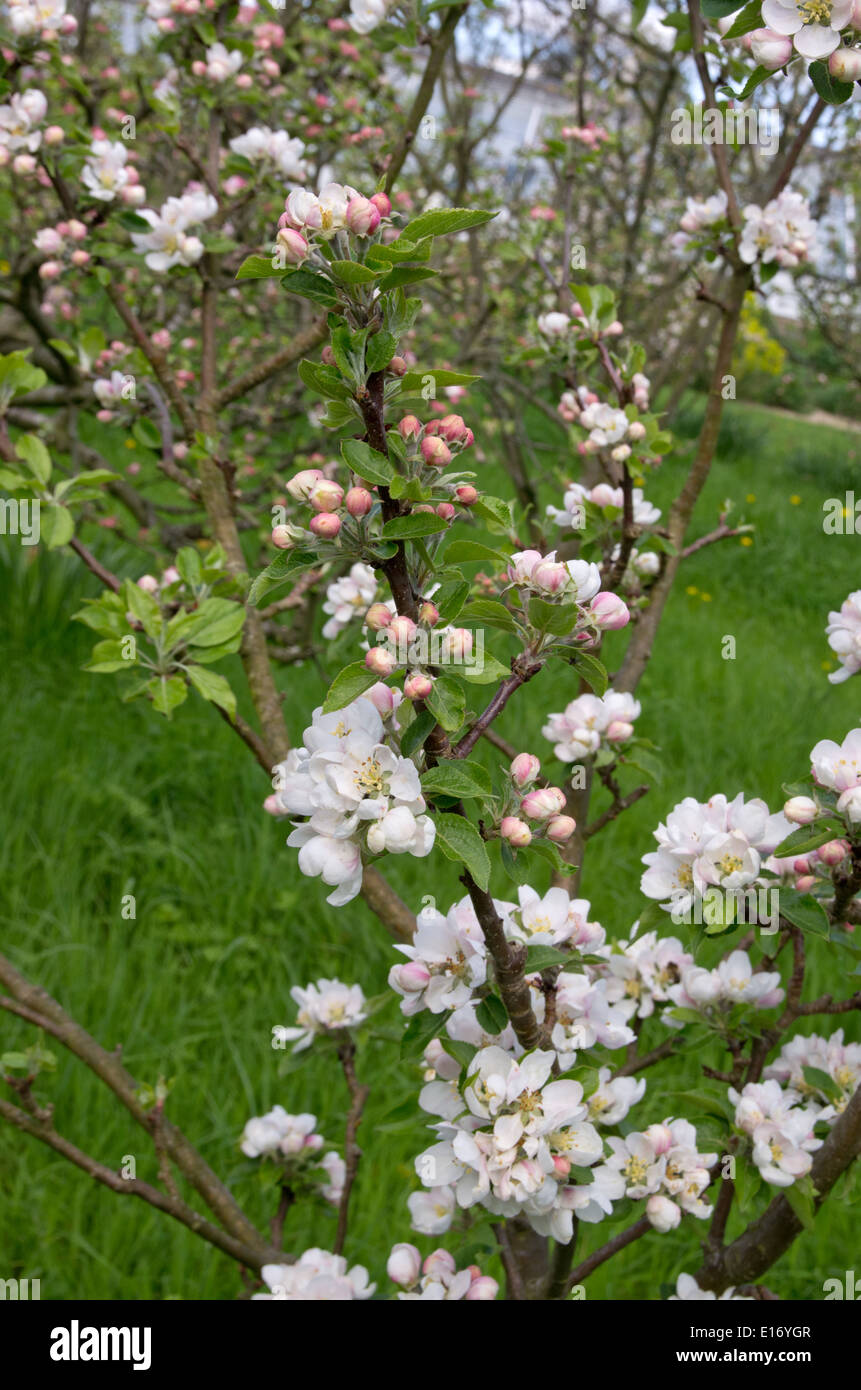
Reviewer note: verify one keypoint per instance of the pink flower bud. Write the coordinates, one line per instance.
(457, 644)
(801, 865)
(660, 1137)
(301, 484)
(439, 1264)
(801, 810)
(466, 494)
(834, 852)
(148, 583)
(326, 495)
(560, 829)
(54, 135)
(483, 1290)
(272, 807)
(382, 203)
(398, 366)
(49, 270)
(325, 525)
(293, 244)
(636, 430)
(429, 613)
(452, 428)
(363, 216)
(562, 1165)
(282, 537)
(618, 730)
(524, 769)
(445, 510)
(79, 257)
(409, 427)
(404, 1265)
(171, 575)
(413, 977)
(609, 612)
(663, 1214)
(402, 629)
(327, 356)
(515, 831)
(380, 660)
(382, 698)
(378, 615)
(550, 576)
(435, 452)
(359, 501)
(805, 883)
(418, 686)
(543, 803)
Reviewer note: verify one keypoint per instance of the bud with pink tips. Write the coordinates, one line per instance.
(418, 686)
(801, 810)
(524, 769)
(362, 216)
(560, 829)
(380, 660)
(402, 629)
(359, 501)
(404, 1265)
(833, 853)
(301, 483)
(412, 977)
(543, 802)
(326, 525)
(293, 245)
(618, 730)
(482, 1289)
(435, 452)
(609, 612)
(326, 495)
(382, 203)
(378, 615)
(429, 613)
(282, 537)
(466, 494)
(515, 831)
(662, 1214)
(410, 427)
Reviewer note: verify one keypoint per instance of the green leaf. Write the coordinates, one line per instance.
(144, 608)
(326, 381)
(400, 250)
(259, 268)
(447, 702)
(756, 79)
(458, 779)
(283, 567)
(368, 463)
(167, 693)
(594, 673)
(458, 839)
(489, 612)
(719, 9)
(709, 1099)
(406, 275)
(748, 1183)
(379, 351)
(804, 911)
(109, 656)
(421, 1029)
(416, 381)
(415, 734)
(216, 620)
(310, 286)
(449, 600)
(749, 19)
(829, 88)
(492, 1015)
(353, 273)
(348, 685)
(820, 1081)
(213, 687)
(804, 839)
(799, 1195)
(414, 524)
(56, 525)
(443, 221)
(557, 619)
(462, 1052)
(540, 958)
(36, 456)
(189, 566)
(471, 550)
(146, 433)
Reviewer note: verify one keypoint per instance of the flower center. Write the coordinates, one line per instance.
(816, 11)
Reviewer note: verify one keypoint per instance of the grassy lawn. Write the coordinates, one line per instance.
(104, 799)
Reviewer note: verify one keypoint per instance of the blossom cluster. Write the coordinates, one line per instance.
(61, 244)
(168, 243)
(592, 722)
(813, 30)
(43, 19)
(525, 802)
(576, 581)
(316, 1276)
(717, 843)
(844, 638)
(107, 174)
(782, 232)
(839, 1060)
(325, 1009)
(20, 121)
(292, 1138)
(733, 981)
(272, 149)
(337, 208)
(572, 514)
(357, 794)
(437, 1278)
(837, 766)
(348, 596)
(780, 1130)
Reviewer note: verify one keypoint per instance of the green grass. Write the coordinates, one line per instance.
(104, 799)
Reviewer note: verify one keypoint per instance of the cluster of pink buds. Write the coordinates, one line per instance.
(61, 244)
(818, 863)
(327, 500)
(404, 643)
(541, 805)
(437, 1277)
(337, 208)
(590, 134)
(436, 445)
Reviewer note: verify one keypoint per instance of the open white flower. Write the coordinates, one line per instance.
(316, 1276)
(104, 172)
(814, 24)
(325, 1007)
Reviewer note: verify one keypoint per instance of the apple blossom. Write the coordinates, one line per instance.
(325, 1007)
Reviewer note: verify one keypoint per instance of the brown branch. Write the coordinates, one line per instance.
(297, 347)
(107, 578)
(440, 45)
(352, 1152)
(606, 1252)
